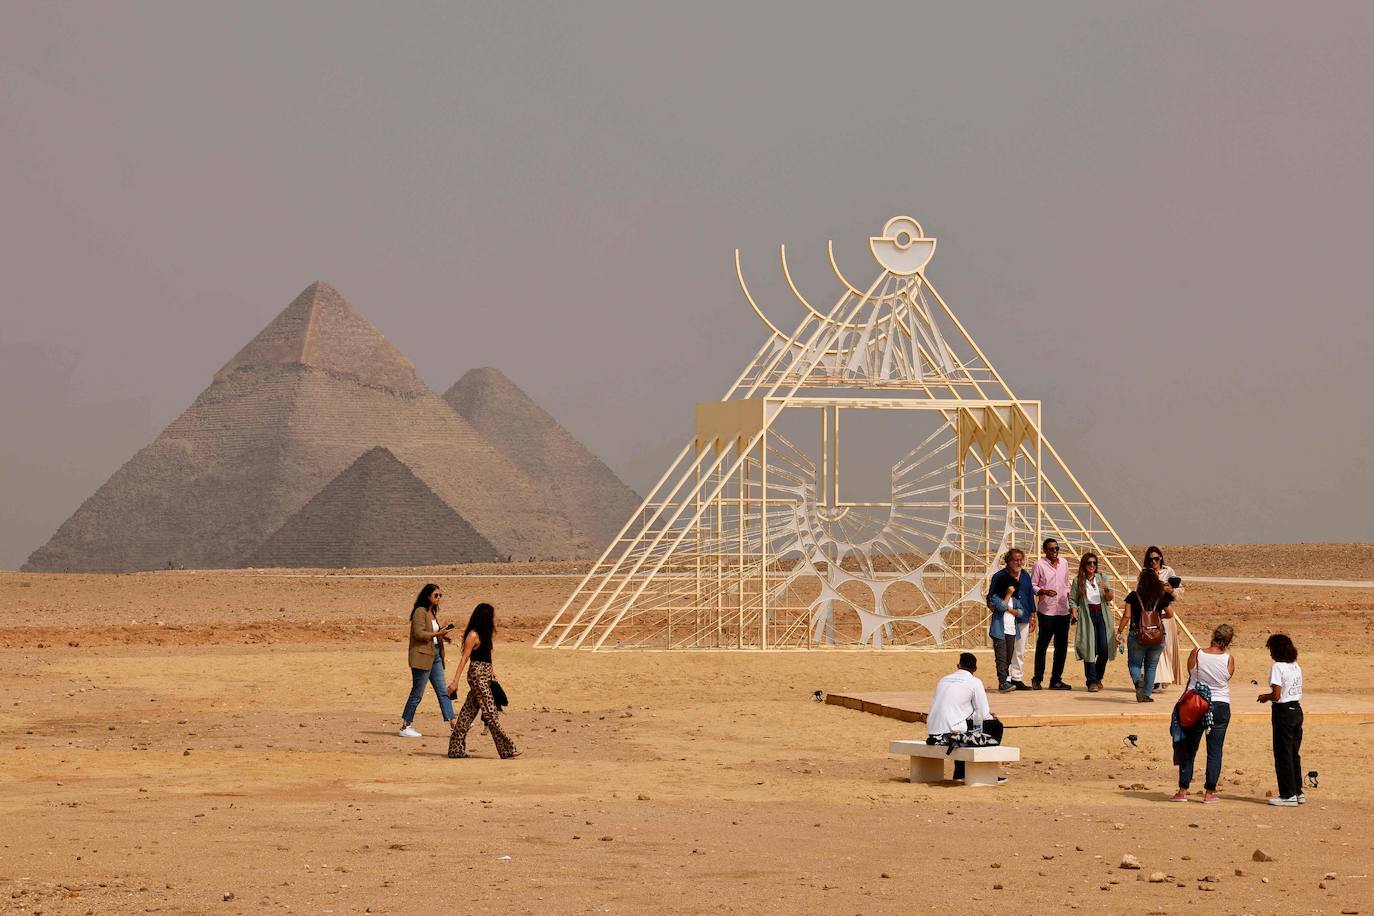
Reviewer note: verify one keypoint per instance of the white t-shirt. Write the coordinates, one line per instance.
(1288, 677)
(1091, 591)
(1009, 618)
(958, 697)
(436, 629)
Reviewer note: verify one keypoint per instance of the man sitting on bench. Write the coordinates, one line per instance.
(961, 703)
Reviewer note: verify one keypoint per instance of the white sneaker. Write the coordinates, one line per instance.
(1285, 802)
(1302, 799)
(410, 732)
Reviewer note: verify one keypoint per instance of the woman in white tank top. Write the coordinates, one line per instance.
(1214, 667)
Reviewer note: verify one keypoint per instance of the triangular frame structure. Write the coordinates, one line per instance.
(746, 543)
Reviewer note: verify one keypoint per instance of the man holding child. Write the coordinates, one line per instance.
(1011, 598)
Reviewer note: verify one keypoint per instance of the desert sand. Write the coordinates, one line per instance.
(187, 742)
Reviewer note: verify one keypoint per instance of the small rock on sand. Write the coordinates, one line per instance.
(1158, 877)
(1260, 855)
(1129, 861)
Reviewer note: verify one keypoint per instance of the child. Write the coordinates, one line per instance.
(1285, 690)
(1007, 648)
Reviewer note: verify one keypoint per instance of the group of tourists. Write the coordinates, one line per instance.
(426, 656)
(959, 709)
(1051, 600)
(1048, 600)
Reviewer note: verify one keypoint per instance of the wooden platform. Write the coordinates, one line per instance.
(1078, 707)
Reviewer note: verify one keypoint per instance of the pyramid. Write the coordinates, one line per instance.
(376, 513)
(574, 480)
(317, 388)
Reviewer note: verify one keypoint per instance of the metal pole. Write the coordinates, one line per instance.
(763, 536)
(739, 570)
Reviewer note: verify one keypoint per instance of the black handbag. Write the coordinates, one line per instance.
(498, 695)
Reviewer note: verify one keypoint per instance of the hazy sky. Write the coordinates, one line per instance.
(1154, 217)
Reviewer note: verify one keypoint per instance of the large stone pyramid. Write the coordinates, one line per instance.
(300, 403)
(376, 513)
(587, 492)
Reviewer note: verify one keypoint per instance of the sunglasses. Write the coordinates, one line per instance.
(437, 595)
(1092, 562)
(1155, 559)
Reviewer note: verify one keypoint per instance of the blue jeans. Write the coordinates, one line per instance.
(435, 675)
(1095, 667)
(1216, 737)
(1146, 657)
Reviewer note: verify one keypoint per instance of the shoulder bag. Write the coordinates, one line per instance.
(1194, 705)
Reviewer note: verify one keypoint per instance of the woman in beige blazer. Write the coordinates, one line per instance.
(426, 657)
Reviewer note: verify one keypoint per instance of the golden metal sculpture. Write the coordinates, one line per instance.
(747, 542)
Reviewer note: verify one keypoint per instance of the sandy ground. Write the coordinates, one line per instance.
(169, 739)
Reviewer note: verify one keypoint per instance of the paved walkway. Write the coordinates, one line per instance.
(514, 574)
(1298, 583)
(426, 576)
(1078, 707)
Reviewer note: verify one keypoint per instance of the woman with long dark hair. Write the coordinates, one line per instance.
(426, 657)
(1141, 660)
(1091, 596)
(1169, 662)
(477, 640)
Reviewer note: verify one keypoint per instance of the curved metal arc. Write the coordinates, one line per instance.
(835, 269)
(787, 275)
(744, 288)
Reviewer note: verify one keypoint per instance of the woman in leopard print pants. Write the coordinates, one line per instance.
(477, 639)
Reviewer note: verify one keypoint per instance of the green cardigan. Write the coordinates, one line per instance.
(1084, 639)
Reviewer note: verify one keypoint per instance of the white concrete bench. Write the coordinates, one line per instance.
(982, 765)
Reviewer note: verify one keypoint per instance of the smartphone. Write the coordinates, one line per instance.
(449, 627)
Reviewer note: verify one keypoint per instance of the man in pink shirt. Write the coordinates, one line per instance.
(1050, 579)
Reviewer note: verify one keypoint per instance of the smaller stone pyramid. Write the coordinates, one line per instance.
(571, 478)
(375, 513)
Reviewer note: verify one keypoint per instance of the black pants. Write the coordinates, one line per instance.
(1057, 629)
(1286, 719)
(1003, 649)
(990, 727)
(1095, 668)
